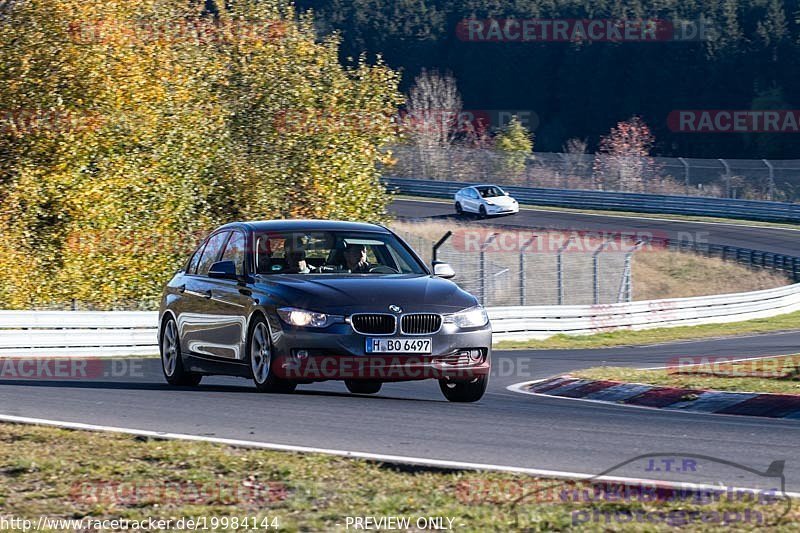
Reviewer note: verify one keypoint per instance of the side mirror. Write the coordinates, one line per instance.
(443, 270)
(223, 270)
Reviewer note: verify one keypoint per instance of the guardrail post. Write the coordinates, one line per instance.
(796, 268)
(560, 270)
(523, 296)
(727, 177)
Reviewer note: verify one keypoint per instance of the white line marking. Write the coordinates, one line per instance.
(439, 463)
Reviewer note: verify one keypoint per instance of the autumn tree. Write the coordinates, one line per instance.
(514, 144)
(623, 161)
(131, 128)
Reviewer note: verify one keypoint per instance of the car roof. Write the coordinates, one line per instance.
(478, 185)
(305, 225)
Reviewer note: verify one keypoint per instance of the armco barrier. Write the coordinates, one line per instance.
(788, 264)
(78, 333)
(519, 323)
(617, 201)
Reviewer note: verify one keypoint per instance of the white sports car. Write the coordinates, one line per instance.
(485, 200)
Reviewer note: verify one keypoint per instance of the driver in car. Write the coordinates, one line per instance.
(355, 257)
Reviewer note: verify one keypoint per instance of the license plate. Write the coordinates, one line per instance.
(398, 345)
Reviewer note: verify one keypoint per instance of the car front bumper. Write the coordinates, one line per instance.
(337, 352)
(502, 210)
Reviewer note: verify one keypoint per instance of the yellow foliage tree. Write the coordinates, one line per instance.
(131, 128)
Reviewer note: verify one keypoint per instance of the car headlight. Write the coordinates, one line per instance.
(305, 319)
(474, 317)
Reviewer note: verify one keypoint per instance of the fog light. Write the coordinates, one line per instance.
(475, 356)
(301, 354)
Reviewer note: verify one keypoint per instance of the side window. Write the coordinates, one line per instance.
(234, 251)
(192, 268)
(211, 252)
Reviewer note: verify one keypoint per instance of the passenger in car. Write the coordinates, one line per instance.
(296, 262)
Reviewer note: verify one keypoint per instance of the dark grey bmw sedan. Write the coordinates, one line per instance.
(293, 302)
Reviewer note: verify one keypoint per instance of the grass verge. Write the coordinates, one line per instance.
(771, 374)
(789, 321)
(73, 474)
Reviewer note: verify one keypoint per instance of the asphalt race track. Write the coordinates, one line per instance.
(413, 419)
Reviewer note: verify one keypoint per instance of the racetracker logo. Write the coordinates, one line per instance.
(184, 492)
(69, 368)
(768, 367)
(478, 240)
(383, 367)
(734, 121)
(581, 30)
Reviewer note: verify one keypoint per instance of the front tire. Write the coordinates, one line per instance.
(482, 212)
(363, 387)
(464, 392)
(171, 360)
(459, 209)
(259, 354)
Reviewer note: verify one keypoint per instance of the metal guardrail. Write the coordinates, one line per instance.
(615, 201)
(98, 334)
(519, 323)
(788, 264)
(77, 333)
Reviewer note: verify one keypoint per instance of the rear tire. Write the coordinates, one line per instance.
(459, 209)
(259, 356)
(482, 212)
(464, 392)
(171, 360)
(363, 387)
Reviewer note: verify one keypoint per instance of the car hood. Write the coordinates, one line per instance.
(345, 294)
(504, 201)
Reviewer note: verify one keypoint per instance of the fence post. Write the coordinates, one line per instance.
(727, 177)
(771, 184)
(596, 271)
(482, 266)
(625, 292)
(560, 270)
(685, 174)
(523, 296)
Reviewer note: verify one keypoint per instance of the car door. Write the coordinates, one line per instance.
(474, 202)
(199, 319)
(230, 300)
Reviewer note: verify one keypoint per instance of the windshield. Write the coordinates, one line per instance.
(491, 192)
(333, 252)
